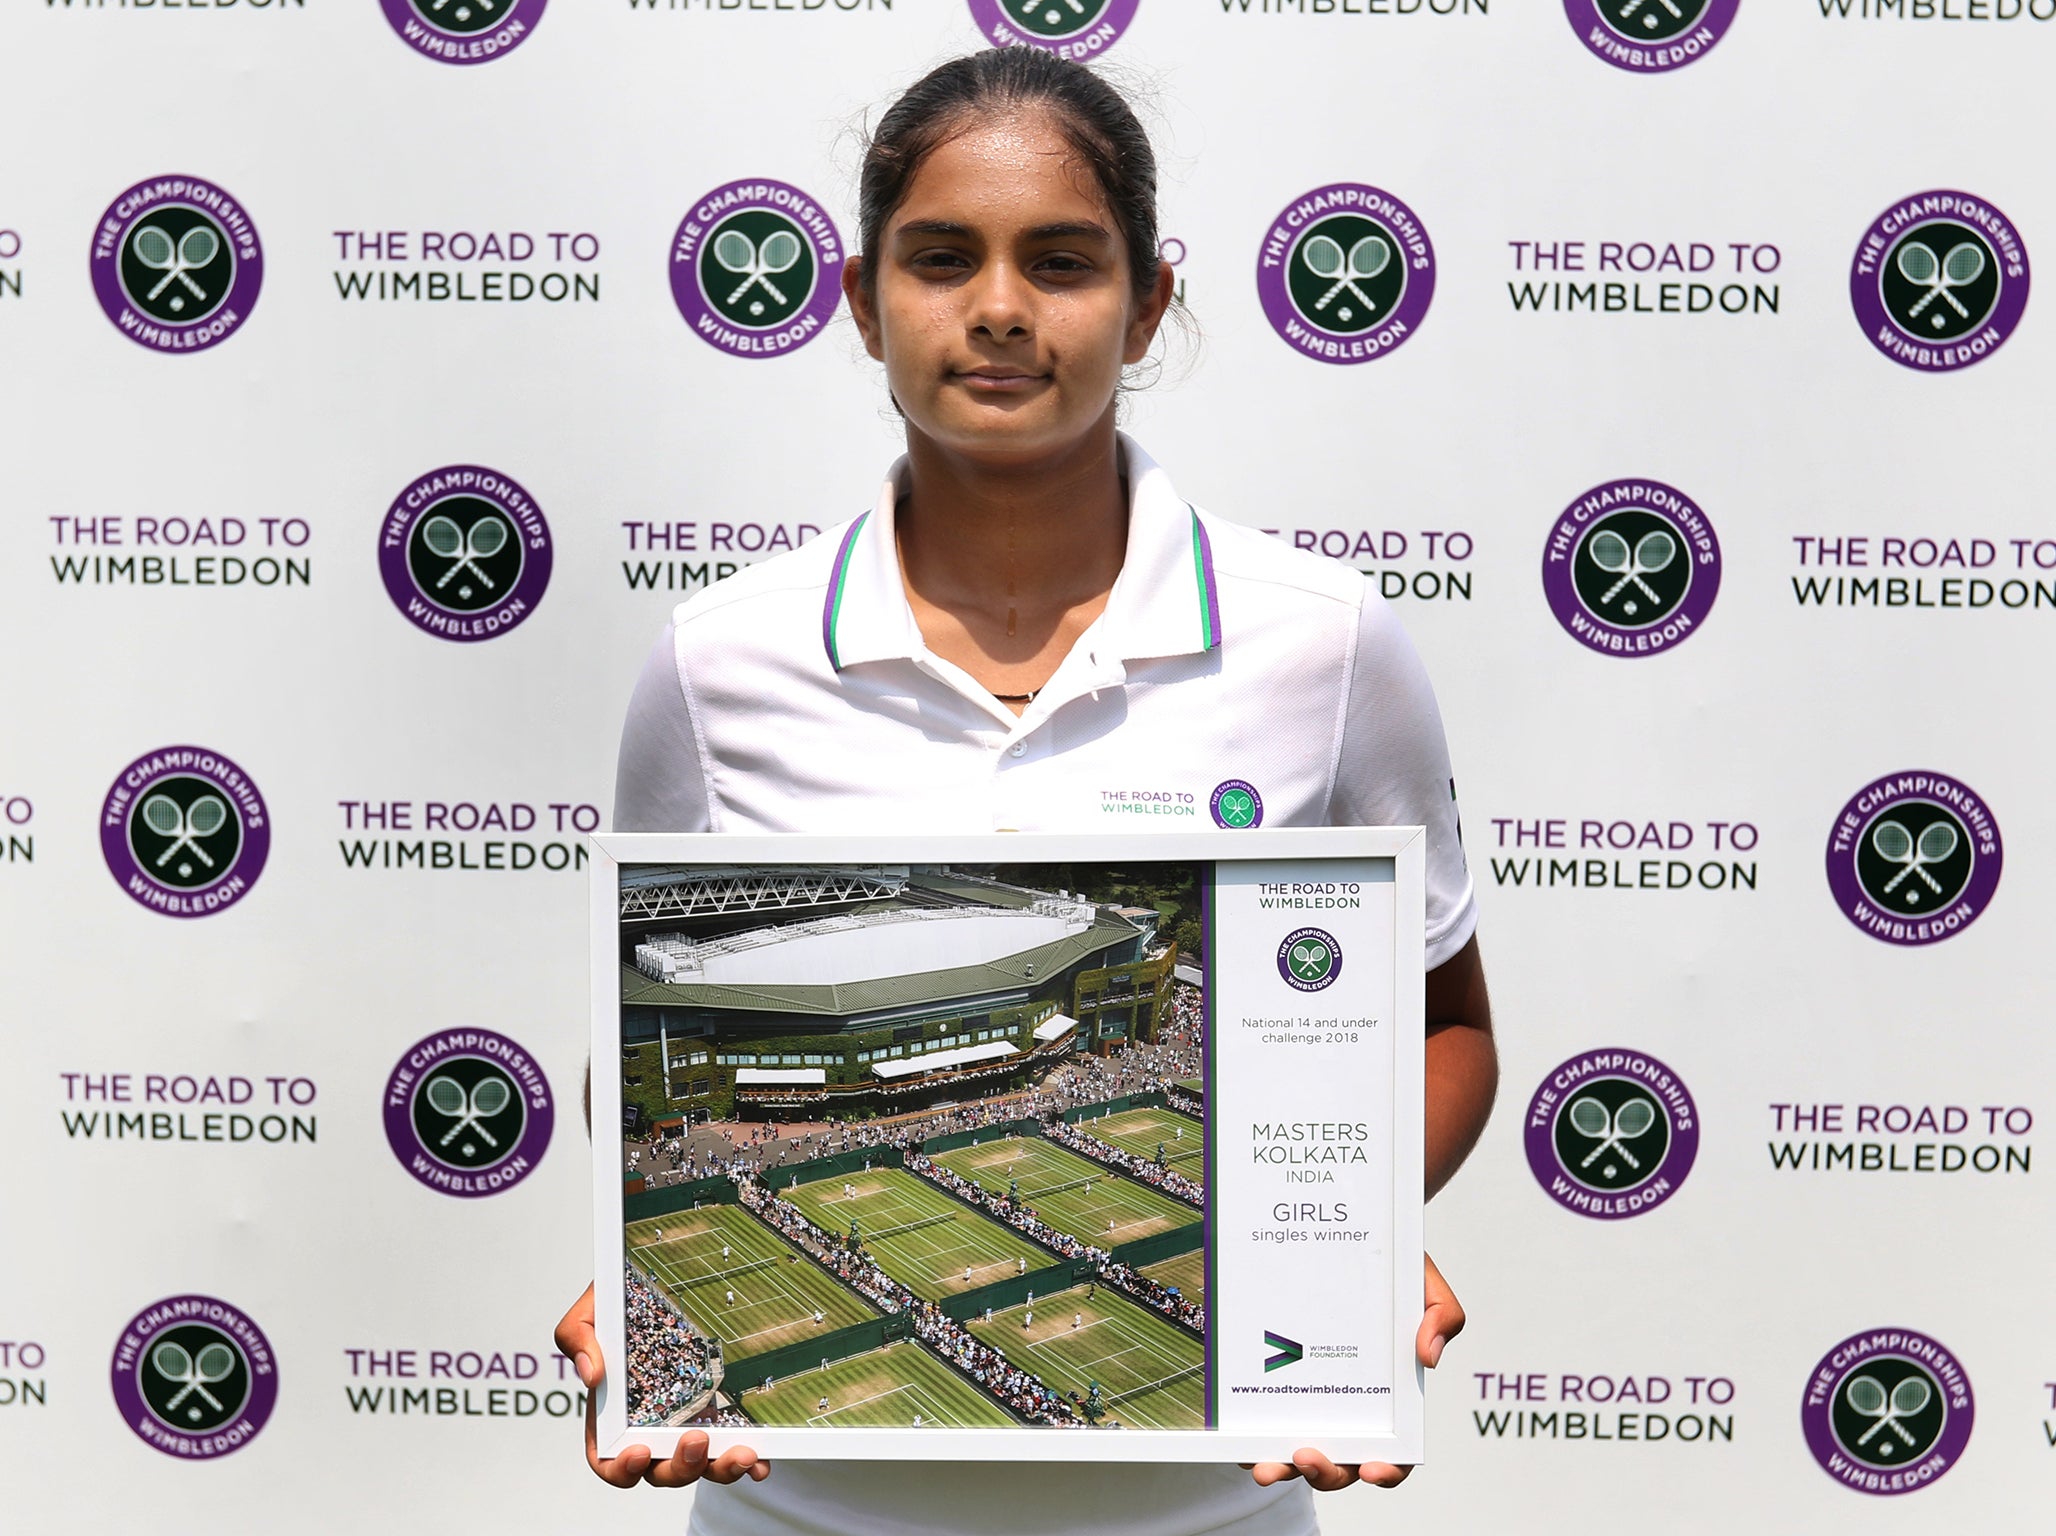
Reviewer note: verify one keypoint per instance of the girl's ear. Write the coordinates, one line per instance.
(861, 308)
(1149, 314)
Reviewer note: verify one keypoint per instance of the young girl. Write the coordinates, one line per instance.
(1028, 616)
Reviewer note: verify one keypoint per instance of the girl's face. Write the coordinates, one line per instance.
(1004, 306)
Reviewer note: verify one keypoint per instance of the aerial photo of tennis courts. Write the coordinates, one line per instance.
(1067, 1191)
(1186, 1274)
(1142, 1131)
(931, 1243)
(738, 1280)
(896, 1387)
(1150, 1373)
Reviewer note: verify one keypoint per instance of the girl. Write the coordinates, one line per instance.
(1028, 616)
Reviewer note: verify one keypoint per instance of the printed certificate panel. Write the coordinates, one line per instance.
(915, 1148)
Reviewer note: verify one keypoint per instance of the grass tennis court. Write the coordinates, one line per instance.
(1150, 1374)
(920, 1236)
(882, 1390)
(1053, 1181)
(1192, 1084)
(1187, 1272)
(1142, 1131)
(776, 1293)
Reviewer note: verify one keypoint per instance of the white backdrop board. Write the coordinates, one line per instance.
(1678, 279)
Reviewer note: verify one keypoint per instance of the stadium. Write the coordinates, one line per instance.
(789, 993)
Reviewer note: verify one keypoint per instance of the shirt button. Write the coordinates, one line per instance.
(1017, 748)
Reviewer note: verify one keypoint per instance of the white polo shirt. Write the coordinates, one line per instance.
(1231, 681)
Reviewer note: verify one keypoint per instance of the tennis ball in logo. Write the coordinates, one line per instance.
(1914, 858)
(1235, 804)
(194, 1377)
(1939, 281)
(465, 553)
(1076, 29)
(1631, 567)
(756, 269)
(184, 831)
(468, 1112)
(1650, 36)
(463, 31)
(1611, 1133)
(176, 264)
(1887, 1411)
(1310, 959)
(1345, 273)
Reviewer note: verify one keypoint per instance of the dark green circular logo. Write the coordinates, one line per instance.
(194, 1376)
(1915, 857)
(1889, 1412)
(1632, 569)
(464, 554)
(1346, 273)
(757, 269)
(468, 1112)
(1309, 959)
(1611, 1134)
(1941, 280)
(1654, 20)
(176, 264)
(184, 832)
(1054, 18)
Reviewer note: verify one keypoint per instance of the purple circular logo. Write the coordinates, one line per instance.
(463, 31)
(756, 268)
(1914, 858)
(1309, 959)
(1070, 29)
(1631, 568)
(194, 1377)
(176, 264)
(185, 831)
(1345, 273)
(1887, 1411)
(1940, 281)
(465, 553)
(1650, 37)
(1612, 1133)
(1235, 804)
(468, 1112)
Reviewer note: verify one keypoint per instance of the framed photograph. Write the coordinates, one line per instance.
(1010, 1147)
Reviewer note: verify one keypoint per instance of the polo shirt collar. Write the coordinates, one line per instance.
(1165, 602)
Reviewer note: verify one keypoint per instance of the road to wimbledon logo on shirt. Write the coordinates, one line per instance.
(468, 1112)
(463, 31)
(176, 264)
(1939, 281)
(465, 553)
(1345, 273)
(1071, 29)
(1650, 37)
(1611, 1133)
(1887, 1411)
(756, 268)
(194, 1377)
(1914, 857)
(184, 831)
(1631, 567)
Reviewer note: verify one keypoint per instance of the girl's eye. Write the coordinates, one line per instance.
(939, 261)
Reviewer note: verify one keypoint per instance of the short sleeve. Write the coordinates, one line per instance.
(1393, 769)
(660, 778)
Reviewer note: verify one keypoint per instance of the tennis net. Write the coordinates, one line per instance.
(720, 1275)
(907, 1226)
(1058, 1189)
(1162, 1381)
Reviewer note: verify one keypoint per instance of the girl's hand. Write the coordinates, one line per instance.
(688, 1463)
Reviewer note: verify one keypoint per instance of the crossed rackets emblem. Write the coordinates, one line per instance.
(757, 264)
(176, 259)
(1365, 259)
(488, 1096)
(445, 540)
(1867, 1396)
(1611, 1130)
(1649, 554)
(185, 826)
(1310, 959)
(193, 1373)
(1895, 845)
(1920, 264)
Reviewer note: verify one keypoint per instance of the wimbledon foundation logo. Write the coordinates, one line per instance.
(756, 268)
(1309, 959)
(468, 1112)
(1071, 29)
(1612, 1133)
(194, 1377)
(463, 31)
(184, 831)
(1650, 37)
(1631, 568)
(1284, 1351)
(1887, 1411)
(1914, 858)
(1346, 273)
(176, 264)
(465, 553)
(1940, 281)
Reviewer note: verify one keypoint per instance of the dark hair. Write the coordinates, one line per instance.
(1093, 117)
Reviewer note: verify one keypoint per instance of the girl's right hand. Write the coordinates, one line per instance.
(688, 1463)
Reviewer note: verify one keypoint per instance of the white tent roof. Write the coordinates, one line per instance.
(1055, 1027)
(937, 1061)
(779, 1077)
